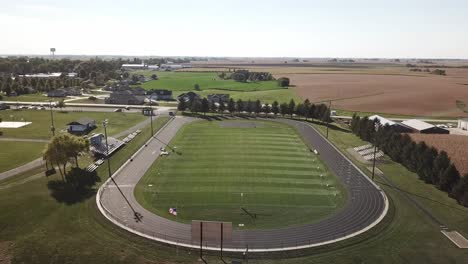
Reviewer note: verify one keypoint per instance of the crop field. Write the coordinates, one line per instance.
(210, 83)
(40, 126)
(255, 173)
(456, 147)
(427, 95)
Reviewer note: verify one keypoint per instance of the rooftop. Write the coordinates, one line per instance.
(417, 124)
(382, 120)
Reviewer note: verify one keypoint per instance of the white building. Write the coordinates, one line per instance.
(463, 123)
(133, 66)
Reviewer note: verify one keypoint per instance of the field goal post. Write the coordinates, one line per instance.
(211, 231)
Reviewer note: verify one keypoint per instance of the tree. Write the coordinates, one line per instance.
(196, 87)
(205, 106)
(213, 107)
(283, 82)
(195, 106)
(182, 106)
(154, 77)
(291, 107)
(257, 107)
(449, 178)
(284, 109)
(441, 163)
(266, 108)
(62, 148)
(61, 104)
(460, 191)
(221, 107)
(239, 105)
(231, 106)
(312, 109)
(275, 107)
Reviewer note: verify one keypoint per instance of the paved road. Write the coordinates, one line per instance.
(366, 204)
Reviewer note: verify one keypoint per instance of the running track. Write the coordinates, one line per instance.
(365, 207)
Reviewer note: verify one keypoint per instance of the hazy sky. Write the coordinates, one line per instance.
(257, 28)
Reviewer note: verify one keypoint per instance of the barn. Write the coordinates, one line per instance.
(398, 127)
(463, 123)
(418, 126)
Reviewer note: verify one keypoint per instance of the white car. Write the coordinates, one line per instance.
(163, 153)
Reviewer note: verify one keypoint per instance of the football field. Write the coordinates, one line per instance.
(258, 174)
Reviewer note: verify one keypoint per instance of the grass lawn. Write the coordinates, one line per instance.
(263, 167)
(15, 153)
(40, 127)
(38, 97)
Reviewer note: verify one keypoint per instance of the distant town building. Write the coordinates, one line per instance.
(418, 126)
(81, 126)
(63, 92)
(50, 75)
(141, 66)
(463, 123)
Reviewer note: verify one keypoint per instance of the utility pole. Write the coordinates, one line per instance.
(52, 127)
(328, 117)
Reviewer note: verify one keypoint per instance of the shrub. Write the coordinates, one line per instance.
(283, 82)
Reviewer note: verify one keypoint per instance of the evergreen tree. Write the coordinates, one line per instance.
(284, 109)
(291, 107)
(460, 191)
(449, 178)
(240, 106)
(205, 106)
(441, 163)
(231, 106)
(257, 107)
(275, 107)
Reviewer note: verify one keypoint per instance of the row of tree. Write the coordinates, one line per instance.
(245, 75)
(431, 166)
(22, 85)
(302, 110)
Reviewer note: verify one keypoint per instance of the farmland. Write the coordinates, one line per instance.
(210, 83)
(386, 88)
(263, 167)
(456, 147)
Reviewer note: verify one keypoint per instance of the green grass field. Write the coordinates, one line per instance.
(15, 153)
(37, 97)
(224, 166)
(40, 127)
(210, 83)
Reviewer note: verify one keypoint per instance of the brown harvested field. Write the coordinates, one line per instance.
(423, 95)
(456, 147)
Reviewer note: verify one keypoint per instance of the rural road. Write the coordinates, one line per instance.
(366, 204)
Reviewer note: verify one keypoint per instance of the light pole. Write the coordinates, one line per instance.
(375, 149)
(328, 117)
(151, 115)
(104, 124)
(52, 127)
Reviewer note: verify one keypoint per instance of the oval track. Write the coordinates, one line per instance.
(365, 207)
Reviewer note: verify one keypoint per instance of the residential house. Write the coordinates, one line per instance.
(188, 97)
(218, 98)
(126, 97)
(160, 94)
(81, 126)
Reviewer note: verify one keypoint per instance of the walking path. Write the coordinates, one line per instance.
(366, 205)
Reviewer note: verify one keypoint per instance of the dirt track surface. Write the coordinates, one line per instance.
(427, 95)
(456, 147)
(365, 205)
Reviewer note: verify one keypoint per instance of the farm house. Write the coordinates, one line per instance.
(463, 123)
(418, 126)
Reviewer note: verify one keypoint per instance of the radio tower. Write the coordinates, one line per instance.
(52, 52)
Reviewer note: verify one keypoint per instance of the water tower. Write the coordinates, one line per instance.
(52, 52)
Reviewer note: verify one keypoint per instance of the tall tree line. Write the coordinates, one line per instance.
(431, 166)
(306, 110)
